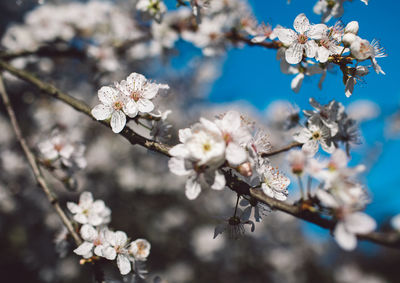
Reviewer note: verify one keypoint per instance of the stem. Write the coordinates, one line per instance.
(301, 186)
(236, 206)
(34, 165)
(309, 180)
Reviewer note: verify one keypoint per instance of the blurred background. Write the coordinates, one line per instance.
(146, 200)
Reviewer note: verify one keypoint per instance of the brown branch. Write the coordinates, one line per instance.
(233, 182)
(44, 51)
(282, 149)
(235, 37)
(35, 167)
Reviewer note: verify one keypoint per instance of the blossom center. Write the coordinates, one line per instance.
(58, 147)
(206, 147)
(118, 105)
(135, 95)
(302, 38)
(316, 135)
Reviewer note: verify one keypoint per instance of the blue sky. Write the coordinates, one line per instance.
(253, 74)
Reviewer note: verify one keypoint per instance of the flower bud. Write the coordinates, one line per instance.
(348, 39)
(351, 27)
(245, 169)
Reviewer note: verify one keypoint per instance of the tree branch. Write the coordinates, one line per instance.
(298, 210)
(34, 165)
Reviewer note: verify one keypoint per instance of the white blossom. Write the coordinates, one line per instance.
(88, 211)
(273, 183)
(140, 249)
(301, 40)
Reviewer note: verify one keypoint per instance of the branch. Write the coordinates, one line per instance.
(44, 51)
(298, 210)
(283, 149)
(35, 167)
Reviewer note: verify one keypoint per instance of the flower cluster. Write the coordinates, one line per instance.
(209, 146)
(339, 192)
(314, 49)
(331, 8)
(129, 98)
(327, 125)
(58, 150)
(95, 27)
(102, 242)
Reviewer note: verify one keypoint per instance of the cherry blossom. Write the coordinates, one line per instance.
(88, 211)
(301, 40)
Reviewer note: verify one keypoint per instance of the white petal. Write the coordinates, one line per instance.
(294, 53)
(345, 239)
(80, 218)
(150, 91)
(360, 223)
(108, 95)
(145, 106)
(120, 238)
(124, 264)
(88, 233)
(94, 219)
(350, 86)
(287, 36)
(231, 121)
(235, 154)
(301, 23)
(311, 48)
(179, 150)
(184, 134)
(177, 166)
(317, 31)
(322, 54)
(297, 82)
(310, 148)
(303, 136)
(101, 112)
(327, 199)
(109, 253)
(396, 222)
(99, 250)
(258, 39)
(193, 188)
(131, 108)
(118, 121)
(219, 181)
(86, 199)
(98, 206)
(84, 249)
(73, 207)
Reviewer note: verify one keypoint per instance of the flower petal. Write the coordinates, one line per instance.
(118, 121)
(124, 264)
(301, 23)
(360, 223)
(145, 106)
(84, 249)
(294, 53)
(345, 239)
(193, 188)
(102, 112)
(88, 233)
(108, 95)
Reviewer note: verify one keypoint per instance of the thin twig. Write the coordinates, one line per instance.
(34, 165)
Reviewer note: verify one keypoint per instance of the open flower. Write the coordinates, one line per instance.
(88, 211)
(140, 249)
(301, 40)
(316, 133)
(273, 183)
(114, 105)
(138, 91)
(94, 240)
(116, 248)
